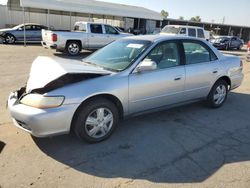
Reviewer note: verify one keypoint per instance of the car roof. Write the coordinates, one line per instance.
(187, 26)
(159, 37)
(31, 24)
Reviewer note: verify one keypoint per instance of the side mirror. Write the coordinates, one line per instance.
(20, 29)
(146, 65)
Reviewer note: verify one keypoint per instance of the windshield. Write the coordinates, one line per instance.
(16, 27)
(118, 55)
(171, 30)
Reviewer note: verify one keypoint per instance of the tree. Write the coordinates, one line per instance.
(181, 18)
(164, 14)
(196, 19)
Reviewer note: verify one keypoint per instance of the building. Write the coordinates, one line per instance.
(62, 14)
(216, 28)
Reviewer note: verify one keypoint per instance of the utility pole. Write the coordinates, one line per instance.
(223, 20)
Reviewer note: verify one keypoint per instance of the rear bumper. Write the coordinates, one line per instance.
(46, 45)
(41, 122)
(236, 80)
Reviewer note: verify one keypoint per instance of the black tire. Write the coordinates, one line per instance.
(73, 48)
(80, 125)
(240, 47)
(211, 99)
(10, 39)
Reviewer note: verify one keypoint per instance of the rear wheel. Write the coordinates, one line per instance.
(10, 39)
(96, 120)
(73, 48)
(218, 94)
(240, 47)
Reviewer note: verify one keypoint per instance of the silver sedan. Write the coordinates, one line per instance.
(128, 77)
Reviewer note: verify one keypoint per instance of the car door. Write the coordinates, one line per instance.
(96, 37)
(202, 68)
(29, 33)
(234, 42)
(160, 87)
(111, 34)
(37, 33)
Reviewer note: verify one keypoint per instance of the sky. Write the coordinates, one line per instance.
(235, 12)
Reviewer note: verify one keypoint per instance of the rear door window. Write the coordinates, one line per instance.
(197, 53)
(96, 28)
(200, 33)
(110, 30)
(191, 32)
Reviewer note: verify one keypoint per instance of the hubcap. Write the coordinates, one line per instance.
(10, 39)
(220, 94)
(73, 48)
(99, 123)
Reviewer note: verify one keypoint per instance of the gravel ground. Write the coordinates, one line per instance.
(188, 146)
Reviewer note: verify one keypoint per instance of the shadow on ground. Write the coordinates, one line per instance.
(2, 145)
(81, 56)
(181, 145)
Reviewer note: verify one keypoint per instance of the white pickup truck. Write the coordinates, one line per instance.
(86, 35)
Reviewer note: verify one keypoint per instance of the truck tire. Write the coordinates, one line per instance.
(73, 48)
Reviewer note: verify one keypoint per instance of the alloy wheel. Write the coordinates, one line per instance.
(10, 39)
(220, 94)
(73, 48)
(99, 122)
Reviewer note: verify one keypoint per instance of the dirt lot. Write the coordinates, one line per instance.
(190, 146)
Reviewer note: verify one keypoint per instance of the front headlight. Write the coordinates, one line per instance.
(40, 101)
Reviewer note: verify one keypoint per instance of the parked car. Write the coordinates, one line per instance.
(16, 34)
(227, 43)
(86, 35)
(248, 51)
(191, 31)
(128, 77)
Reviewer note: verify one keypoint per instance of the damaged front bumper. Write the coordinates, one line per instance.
(40, 122)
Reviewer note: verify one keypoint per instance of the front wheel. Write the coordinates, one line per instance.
(10, 39)
(73, 48)
(218, 94)
(96, 120)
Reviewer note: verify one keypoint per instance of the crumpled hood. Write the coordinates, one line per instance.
(45, 70)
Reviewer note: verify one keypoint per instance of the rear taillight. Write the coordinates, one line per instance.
(54, 37)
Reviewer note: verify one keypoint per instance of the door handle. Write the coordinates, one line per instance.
(92, 35)
(177, 78)
(215, 72)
